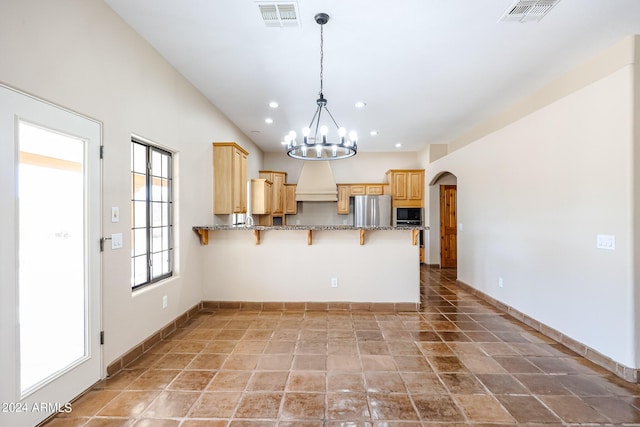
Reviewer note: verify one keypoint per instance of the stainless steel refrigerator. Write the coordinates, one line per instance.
(371, 211)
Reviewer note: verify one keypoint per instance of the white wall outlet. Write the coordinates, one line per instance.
(115, 214)
(334, 282)
(606, 241)
(116, 241)
(500, 282)
(165, 301)
(460, 226)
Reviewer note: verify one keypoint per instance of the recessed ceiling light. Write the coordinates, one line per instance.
(274, 104)
(373, 132)
(268, 120)
(398, 145)
(360, 104)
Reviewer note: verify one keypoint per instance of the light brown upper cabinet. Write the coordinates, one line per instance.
(277, 191)
(290, 205)
(229, 178)
(407, 187)
(261, 196)
(344, 191)
(347, 190)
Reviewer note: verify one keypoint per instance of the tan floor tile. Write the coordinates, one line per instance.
(310, 362)
(615, 409)
(192, 380)
(303, 406)
(122, 379)
(423, 383)
(384, 382)
(268, 381)
(229, 381)
(345, 382)
(211, 361)
(347, 406)
(250, 347)
(439, 408)
(378, 363)
(215, 405)
(482, 364)
(220, 346)
(572, 409)
(280, 347)
(275, 362)
(129, 404)
(204, 423)
(462, 383)
(189, 346)
(259, 405)
(174, 361)
(92, 402)
(110, 422)
(154, 379)
(337, 362)
(391, 407)
(483, 408)
(307, 381)
(171, 404)
(527, 409)
(155, 422)
(241, 362)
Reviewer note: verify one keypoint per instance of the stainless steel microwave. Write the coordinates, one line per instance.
(407, 216)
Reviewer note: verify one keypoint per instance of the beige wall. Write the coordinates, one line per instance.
(534, 193)
(81, 55)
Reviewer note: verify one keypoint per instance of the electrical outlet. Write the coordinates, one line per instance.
(500, 282)
(606, 241)
(165, 301)
(334, 282)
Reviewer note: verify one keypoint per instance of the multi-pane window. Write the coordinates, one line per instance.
(151, 214)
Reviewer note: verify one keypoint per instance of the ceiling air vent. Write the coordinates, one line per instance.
(278, 14)
(528, 10)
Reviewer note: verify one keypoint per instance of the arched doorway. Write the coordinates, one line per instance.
(443, 224)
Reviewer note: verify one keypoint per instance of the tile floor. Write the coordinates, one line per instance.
(458, 362)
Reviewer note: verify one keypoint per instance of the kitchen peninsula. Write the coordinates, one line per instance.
(323, 265)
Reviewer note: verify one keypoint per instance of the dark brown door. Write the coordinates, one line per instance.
(448, 227)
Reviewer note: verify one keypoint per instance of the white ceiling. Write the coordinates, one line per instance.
(428, 70)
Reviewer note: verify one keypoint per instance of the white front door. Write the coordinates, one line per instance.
(50, 223)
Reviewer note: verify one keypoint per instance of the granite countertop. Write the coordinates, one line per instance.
(303, 227)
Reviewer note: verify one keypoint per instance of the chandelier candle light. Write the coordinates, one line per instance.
(321, 148)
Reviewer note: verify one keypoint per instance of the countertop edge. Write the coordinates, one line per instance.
(305, 227)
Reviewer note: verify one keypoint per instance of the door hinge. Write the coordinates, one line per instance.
(102, 151)
(101, 337)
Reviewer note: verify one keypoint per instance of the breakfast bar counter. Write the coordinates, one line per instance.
(332, 264)
(203, 231)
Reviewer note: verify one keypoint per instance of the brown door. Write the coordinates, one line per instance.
(448, 227)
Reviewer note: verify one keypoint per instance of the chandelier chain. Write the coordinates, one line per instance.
(321, 57)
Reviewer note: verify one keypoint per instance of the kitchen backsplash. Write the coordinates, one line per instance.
(319, 213)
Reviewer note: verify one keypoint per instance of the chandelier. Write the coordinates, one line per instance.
(316, 143)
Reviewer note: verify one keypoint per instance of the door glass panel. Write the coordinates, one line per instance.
(51, 274)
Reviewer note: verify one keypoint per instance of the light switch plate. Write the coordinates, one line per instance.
(115, 214)
(116, 241)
